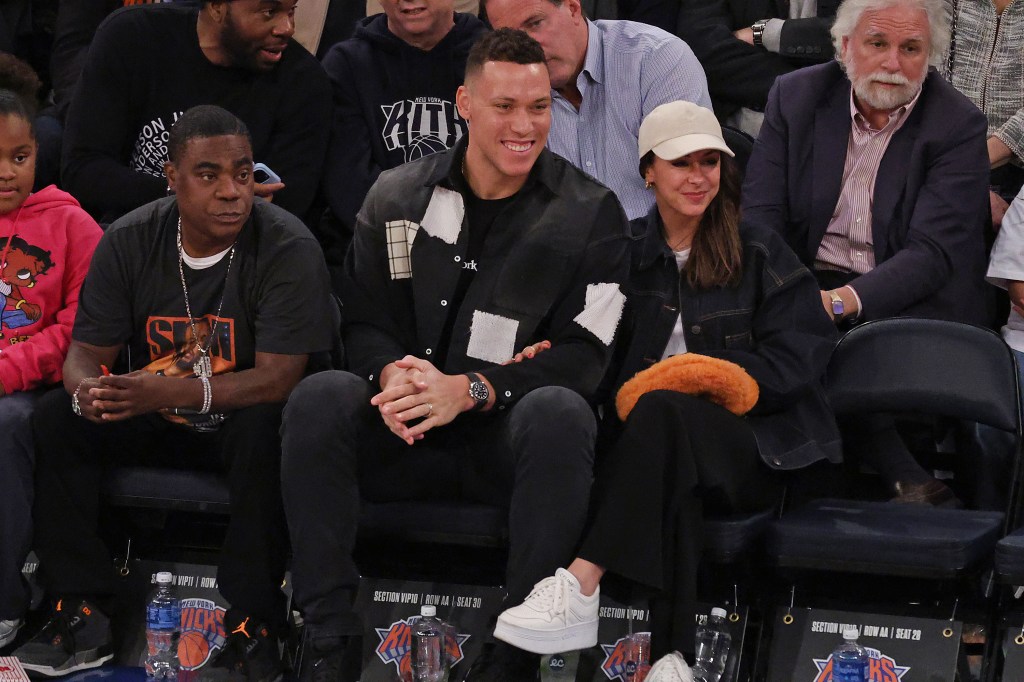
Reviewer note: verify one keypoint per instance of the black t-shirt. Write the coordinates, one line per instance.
(276, 297)
(480, 216)
(143, 70)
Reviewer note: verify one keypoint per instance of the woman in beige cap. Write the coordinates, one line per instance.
(701, 283)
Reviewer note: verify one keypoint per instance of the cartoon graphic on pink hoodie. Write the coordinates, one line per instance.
(45, 249)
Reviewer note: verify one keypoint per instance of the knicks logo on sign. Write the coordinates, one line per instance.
(396, 645)
(617, 664)
(880, 668)
(202, 632)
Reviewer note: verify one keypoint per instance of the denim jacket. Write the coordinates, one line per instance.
(772, 324)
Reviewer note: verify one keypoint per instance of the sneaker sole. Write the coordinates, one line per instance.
(10, 636)
(72, 665)
(579, 636)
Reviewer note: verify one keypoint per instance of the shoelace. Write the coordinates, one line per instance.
(550, 595)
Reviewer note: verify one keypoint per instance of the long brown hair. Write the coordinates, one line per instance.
(716, 254)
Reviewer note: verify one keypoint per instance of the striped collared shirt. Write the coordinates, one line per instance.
(630, 68)
(848, 243)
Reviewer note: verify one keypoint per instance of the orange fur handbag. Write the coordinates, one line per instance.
(720, 381)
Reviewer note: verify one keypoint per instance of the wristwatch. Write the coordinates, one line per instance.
(478, 391)
(838, 309)
(758, 28)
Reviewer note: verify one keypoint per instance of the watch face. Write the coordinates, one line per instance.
(478, 391)
(837, 307)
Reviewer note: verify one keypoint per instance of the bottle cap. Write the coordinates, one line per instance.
(718, 611)
(164, 578)
(428, 611)
(850, 632)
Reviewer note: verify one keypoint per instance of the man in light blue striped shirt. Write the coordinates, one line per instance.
(607, 76)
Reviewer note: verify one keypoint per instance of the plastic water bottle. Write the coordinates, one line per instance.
(713, 642)
(163, 623)
(850, 660)
(429, 653)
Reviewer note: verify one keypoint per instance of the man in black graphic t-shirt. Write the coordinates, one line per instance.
(148, 64)
(206, 306)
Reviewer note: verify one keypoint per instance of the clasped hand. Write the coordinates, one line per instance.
(415, 389)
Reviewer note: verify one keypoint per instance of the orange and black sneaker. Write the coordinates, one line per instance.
(250, 653)
(76, 637)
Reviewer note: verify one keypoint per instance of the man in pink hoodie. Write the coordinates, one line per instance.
(46, 242)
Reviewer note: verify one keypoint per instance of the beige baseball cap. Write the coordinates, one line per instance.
(675, 129)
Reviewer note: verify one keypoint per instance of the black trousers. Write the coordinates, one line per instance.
(677, 459)
(72, 455)
(536, 458)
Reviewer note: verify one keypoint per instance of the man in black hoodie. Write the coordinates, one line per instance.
(394, 88)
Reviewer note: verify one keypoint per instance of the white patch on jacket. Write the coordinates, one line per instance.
(443, 218)
(602, 311)
(492, 338)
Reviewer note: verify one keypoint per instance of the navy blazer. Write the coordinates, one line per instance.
(930, 203)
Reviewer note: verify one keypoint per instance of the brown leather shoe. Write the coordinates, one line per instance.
(933, 492)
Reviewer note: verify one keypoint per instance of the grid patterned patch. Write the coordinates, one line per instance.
(602, 311)
(443, 218)
(492, 338)
(400, 234)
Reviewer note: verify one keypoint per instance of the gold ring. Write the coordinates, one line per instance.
(430, 409)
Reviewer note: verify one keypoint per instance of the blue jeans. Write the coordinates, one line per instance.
(16, 463)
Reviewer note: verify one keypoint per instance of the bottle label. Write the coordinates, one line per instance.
(163, 617)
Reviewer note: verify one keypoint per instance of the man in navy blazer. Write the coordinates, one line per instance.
(882, 192)
(744, 45)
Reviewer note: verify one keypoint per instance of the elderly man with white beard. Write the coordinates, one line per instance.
(875, 170)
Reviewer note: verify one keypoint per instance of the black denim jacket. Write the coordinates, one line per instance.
(772, 324)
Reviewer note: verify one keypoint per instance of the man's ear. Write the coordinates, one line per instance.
(216, 9)
(171, 174)
(575, 9)
(462, 102)
(843, 45)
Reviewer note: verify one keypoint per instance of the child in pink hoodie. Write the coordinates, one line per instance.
(46, 242)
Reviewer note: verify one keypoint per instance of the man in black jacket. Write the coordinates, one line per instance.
(149, 64)
(458, 260)
(744, 45)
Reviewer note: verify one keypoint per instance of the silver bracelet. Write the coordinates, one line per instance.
(207, 395)
(75, 406)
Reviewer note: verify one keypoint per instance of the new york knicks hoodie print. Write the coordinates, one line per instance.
(393, 103)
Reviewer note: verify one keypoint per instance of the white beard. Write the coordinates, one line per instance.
(868, 90)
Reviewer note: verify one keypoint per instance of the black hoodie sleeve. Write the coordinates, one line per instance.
(351, 168)
(98, 124)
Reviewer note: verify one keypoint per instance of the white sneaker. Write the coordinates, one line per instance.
(670, 668)
(554, 618)
(8, 630)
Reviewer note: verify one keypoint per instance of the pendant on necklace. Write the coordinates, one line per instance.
(202, 366)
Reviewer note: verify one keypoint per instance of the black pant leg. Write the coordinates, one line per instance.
(255, 551)
(71, 456)
(677, 458)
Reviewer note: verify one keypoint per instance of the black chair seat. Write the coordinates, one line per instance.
(884, 539)
(726, 538)
(1010, 558)
(172, 489)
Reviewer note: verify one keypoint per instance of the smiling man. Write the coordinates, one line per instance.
(206, 305)
(875, 170)
(458, 261)
(149, 64)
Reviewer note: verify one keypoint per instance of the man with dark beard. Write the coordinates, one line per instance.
(875, 170)
(149, 64)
